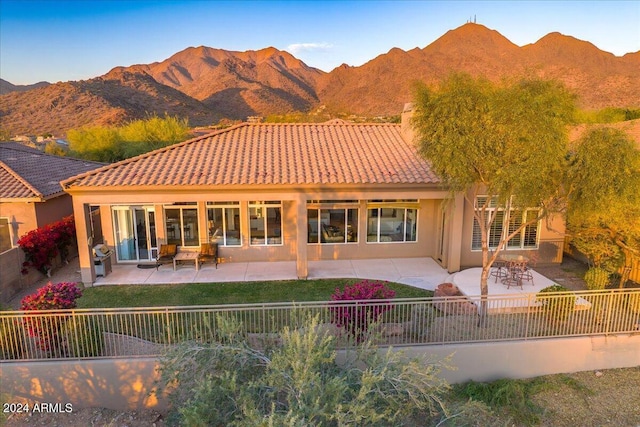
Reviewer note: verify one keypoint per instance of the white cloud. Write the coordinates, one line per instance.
(308, 47)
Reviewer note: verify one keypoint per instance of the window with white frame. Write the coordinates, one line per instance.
(5, 235)
(223, 222)
(526, 238)
(265, 219)
(328, 222)
(181, 220)
(392, 221)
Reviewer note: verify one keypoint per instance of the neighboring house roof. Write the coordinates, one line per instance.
(274, 154)
(28, 174)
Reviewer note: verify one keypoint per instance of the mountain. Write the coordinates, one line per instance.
(108, 100)
(207, 84)
(239, 83)
(6, 87)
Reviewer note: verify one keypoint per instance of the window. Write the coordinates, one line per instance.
(182, 224)
(392, 221)
(223, 222)
(336, 225)
(265, 219)
(525, 239)
(5, 235)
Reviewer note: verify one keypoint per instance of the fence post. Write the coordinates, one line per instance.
(609, 310)
(167, 325)
(528, 319)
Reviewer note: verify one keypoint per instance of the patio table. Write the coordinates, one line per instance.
(516, 265)
(186, 256)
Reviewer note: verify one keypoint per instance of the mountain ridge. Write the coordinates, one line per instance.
(207, 84)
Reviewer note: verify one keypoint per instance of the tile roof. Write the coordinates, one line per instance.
(28, 173)
(274, 154)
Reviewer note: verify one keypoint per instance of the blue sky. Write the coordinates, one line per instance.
(74, 40)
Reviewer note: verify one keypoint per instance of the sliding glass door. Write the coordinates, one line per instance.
(135, 233)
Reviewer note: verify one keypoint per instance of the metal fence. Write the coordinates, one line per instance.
(130, 332)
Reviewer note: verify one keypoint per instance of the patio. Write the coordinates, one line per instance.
(422, 273)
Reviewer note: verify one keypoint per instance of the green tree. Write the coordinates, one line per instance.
(100, 144)
(604, 198)
(55, 149)
(506, 142)
(111, 144)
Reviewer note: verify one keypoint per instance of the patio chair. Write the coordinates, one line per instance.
(166, 254)
(498, 269)
(208, 253)
(331, 235)
(525, 269)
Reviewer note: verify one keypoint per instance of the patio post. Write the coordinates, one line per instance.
(455, 233)
(82, 215)
(301, 236)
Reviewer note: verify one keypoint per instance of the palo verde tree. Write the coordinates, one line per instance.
(502, 145)
(604, 198)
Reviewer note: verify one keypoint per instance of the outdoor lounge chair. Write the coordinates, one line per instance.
(208, 253)
(166, 254)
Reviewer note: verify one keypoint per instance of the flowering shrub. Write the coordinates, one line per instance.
(357, 317)
(43, 244)
(46, 330)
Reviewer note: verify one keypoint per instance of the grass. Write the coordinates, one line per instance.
(224, 293)
(513, 399)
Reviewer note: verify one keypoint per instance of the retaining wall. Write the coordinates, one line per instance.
(126, 384)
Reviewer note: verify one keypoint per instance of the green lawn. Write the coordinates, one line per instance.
(224, 293)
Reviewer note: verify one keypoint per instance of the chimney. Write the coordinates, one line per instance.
(405, 123)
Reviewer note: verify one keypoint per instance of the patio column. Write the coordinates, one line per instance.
(455, 234)
(82, 215)
(301, 236)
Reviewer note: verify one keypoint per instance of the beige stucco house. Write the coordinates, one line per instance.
(296, 192)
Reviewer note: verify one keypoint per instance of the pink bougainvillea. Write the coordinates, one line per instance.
(46, 329)
(356, 317)
(43, 244)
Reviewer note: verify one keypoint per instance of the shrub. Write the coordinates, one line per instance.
(43, 244)
(46, 329)
(596, 278)
(557, 307)
(83, 336)
(356, 317)
(299, 383)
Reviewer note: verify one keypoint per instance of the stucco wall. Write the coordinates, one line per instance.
(22, 218)
(125, 384)
(550, 248)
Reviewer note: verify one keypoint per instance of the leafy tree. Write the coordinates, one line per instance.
(111, 144)
(604, 200)
(99, 144)
(54, 149)
(507, 142)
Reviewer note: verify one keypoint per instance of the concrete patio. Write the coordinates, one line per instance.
(422, 273)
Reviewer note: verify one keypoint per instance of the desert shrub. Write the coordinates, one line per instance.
(557, 307)
(47, 329)
(357, 316)
(596, 278)
(299, 383)
(83, 337)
